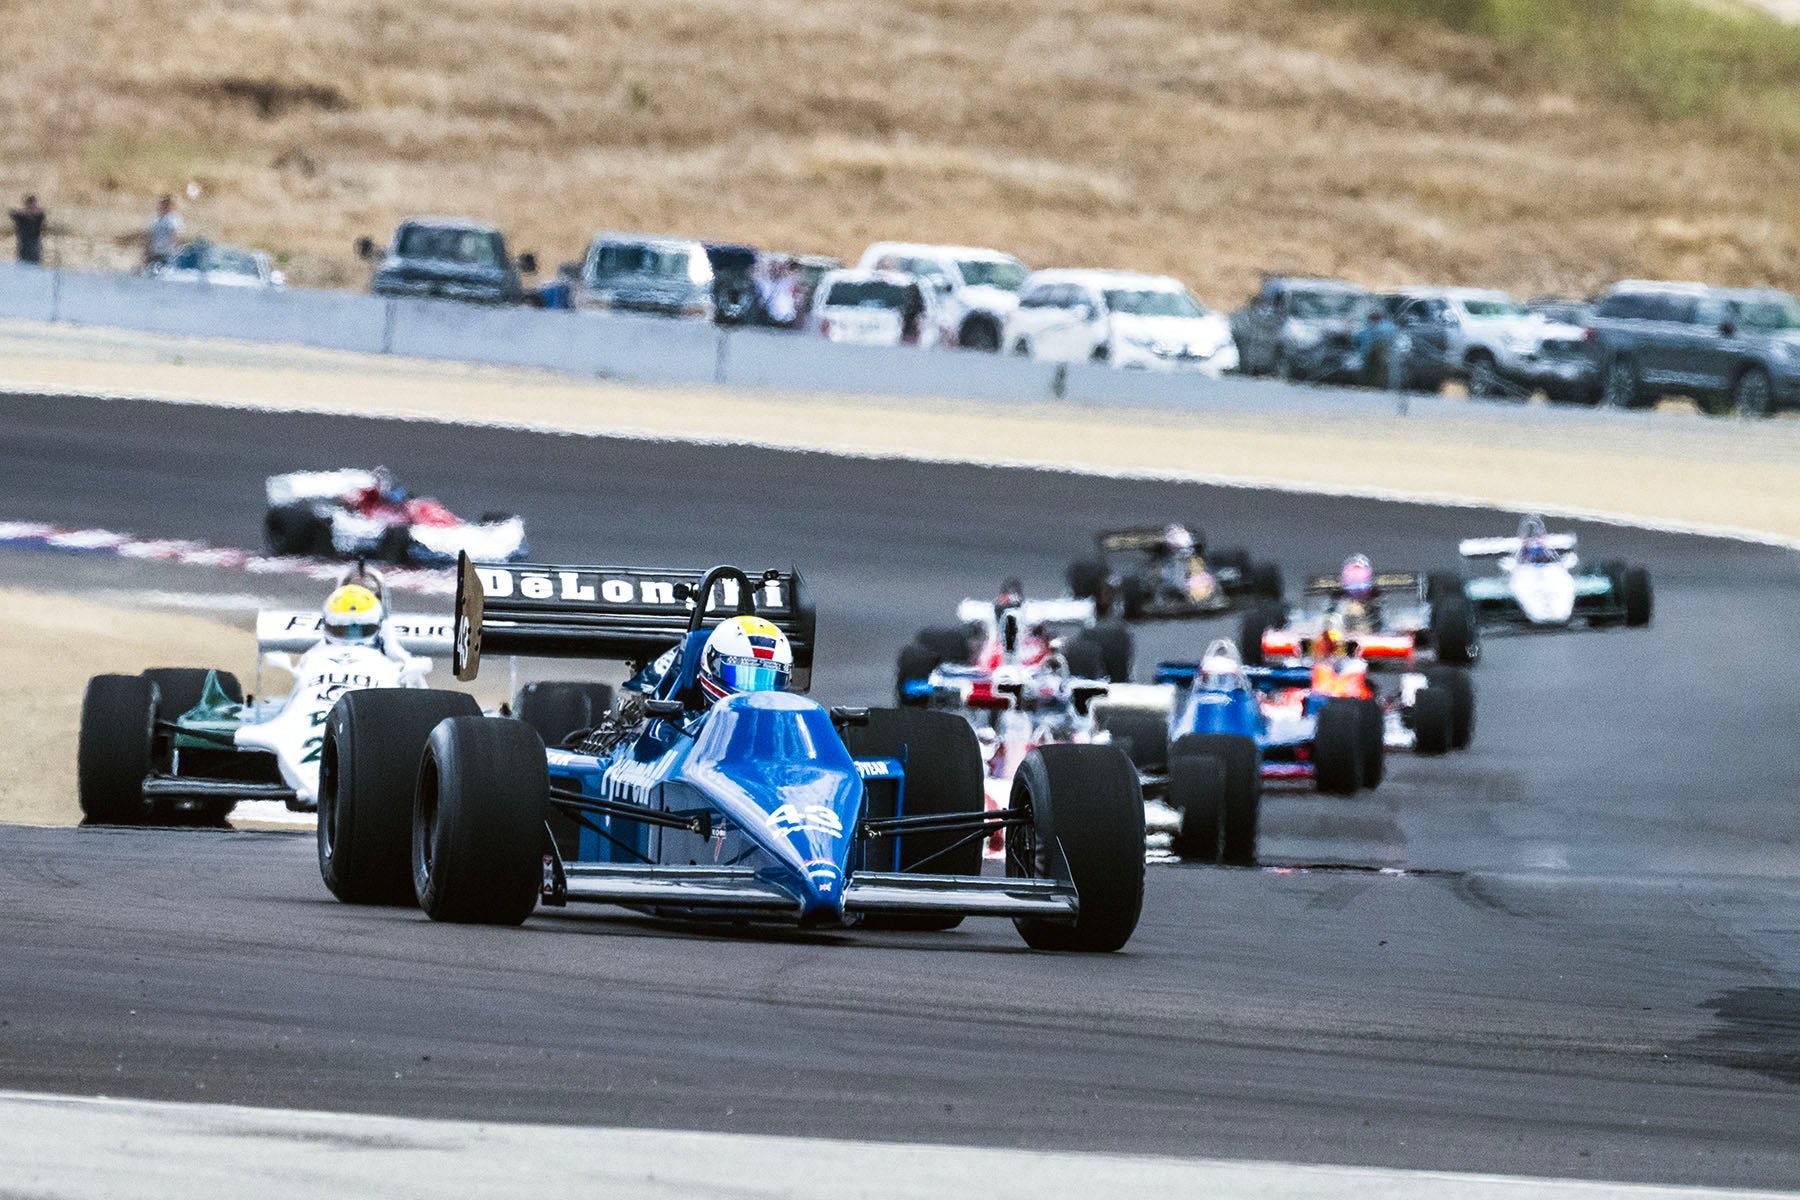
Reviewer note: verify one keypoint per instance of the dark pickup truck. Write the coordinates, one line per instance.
(450, 259)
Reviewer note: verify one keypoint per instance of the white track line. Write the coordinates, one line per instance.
(73, 1148)
(1156, 475)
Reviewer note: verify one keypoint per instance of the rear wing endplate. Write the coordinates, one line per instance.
(618, 614)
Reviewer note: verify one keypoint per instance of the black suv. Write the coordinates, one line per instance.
(1729, 349)
(452, 259)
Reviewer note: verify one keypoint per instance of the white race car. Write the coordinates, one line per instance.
(355, 513)
(1540, 582)
(186, 745)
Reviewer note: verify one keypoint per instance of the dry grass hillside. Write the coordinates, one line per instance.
(1208, 138)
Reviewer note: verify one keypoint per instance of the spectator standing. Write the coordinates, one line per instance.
(780, 298)
(164, 231)
(28, 231)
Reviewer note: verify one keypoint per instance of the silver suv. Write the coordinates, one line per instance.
(1492, 342)
(1729, 349)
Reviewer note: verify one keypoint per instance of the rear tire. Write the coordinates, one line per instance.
(113, 753)
(1115, 643)
(1434, 721)
(1264, 579)
(294, 529)
(1086, 578)
(1216, 826)
(1142, 734)
(1455, 637)
(1085, 658)
(1258, 620)
(951, 643)
(1461, 689)
(1374, 744)
(559, 707)
(1620, 387)
(179, 688)
(943, 778)
(368, 774)
(915, 663)
(1638, 596)
(478, 836)
(1753, 393)
(1087, 829)
(1338, 748)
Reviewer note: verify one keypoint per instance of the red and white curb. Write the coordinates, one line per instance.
(32, 535)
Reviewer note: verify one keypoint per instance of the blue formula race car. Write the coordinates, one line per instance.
(1234, 726)
(714, 789)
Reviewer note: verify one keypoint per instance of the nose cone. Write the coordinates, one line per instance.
(823, 901)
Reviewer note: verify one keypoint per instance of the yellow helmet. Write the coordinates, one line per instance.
(353, 614)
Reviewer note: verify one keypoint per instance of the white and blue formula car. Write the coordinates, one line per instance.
(1540, 583)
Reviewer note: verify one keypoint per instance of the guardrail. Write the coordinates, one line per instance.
(653, 350)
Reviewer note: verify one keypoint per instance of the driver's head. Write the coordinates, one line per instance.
(1221, 668)
(1357, 579)
(1012, 594)
(745, 654)
(1535, 550)
(1179, 539)
(388, 487)
(353, 615)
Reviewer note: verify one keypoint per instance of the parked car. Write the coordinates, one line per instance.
(877, 308)
(976, 288)
(1491, 342)
(1118, 317)
(449, 258)
(1562, 310)
(1729, 349)
(641, 273)
(1302, 329)
(201, 261)
(811, 269)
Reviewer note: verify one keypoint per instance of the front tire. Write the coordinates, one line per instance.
(1455, 637)
(295, 529)
(1753, 394)
(179, 689)
(1460, 687)
(1621, 388)
(1087, 829)
(1142, 734)
(478, 833)
(1434, 721)
(113, 753)
(1639, 597)
(1215, 779)
(368, 773)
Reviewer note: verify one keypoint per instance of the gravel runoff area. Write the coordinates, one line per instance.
(1663, 467)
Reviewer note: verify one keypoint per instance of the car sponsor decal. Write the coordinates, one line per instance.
(32, 535)
(602, 589)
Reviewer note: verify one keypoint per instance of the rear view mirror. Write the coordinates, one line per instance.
(528, 263)
(365, 248)
(280, 660)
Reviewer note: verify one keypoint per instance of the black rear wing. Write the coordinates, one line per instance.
(1391, 582)
(618, 614)
(1148, 539)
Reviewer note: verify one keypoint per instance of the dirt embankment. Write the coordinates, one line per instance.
(1206, 138)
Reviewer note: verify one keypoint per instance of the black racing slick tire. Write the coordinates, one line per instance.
(113, 754)
(1256, 621)
(1086, 578)
(1455, 636)
(1115, 643)
(951, 643)
(1143, 734)
(1434, 721)
(1087, 830)
(1461, 688)
(368, 772)
(478, 832)
(1338, 748)
(1215, 780)
(1264, 579)
(1374, 744)
(295, 529)
(916, 662)
(557, 708)
(179, 689)
(1638, 596)
(1085, 658)
(943, 778)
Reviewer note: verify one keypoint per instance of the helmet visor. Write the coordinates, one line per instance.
(358, 632)
(751, 674)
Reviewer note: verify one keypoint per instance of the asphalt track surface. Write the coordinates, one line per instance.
(1582, 959)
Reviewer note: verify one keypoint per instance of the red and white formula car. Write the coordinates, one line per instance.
(368, 514)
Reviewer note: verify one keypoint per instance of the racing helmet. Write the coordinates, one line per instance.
(745, 654)
(390, 489)
(1536, 551)
(1357, 579)
(1222, 668)
(1178, 539)
(353, 615)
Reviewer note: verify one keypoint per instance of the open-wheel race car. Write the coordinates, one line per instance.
(185, 745)
(1395, 616)
(1540, 583)
(715, 791)
(1166, 573)
(362, 514)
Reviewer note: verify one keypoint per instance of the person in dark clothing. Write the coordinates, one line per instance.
(28, 231)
